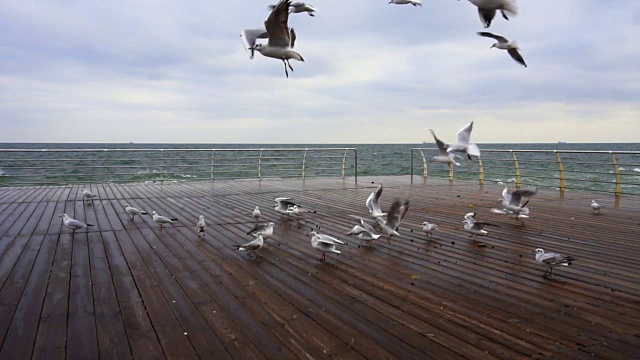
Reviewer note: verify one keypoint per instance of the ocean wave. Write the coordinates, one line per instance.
(636, 169)
(621, 168)
(2, 172)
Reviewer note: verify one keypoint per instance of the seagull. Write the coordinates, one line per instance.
(551, 260)
(88, 195)
(73, 224)
(373, 203)
(284, 206)
(595, 207)
(463, 143)
(429, 228)
(201, 225)
(299, 7)
(251, 246)
(256, 213)
(264, 230)
(487, 9)
(281, 38)
(504, 44)
(396, 213)
(324, 243)
(471, 225)
(364, 231)
(133, 211)
(443, 155)
(513, 204)
(406, 2)
(161, 220)
(250, 36)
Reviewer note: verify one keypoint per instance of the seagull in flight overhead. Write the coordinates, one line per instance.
(443, 155)
(464, 144)
(487, 9)
(281, 38)
(406, 2)
(504, 44)
(250, 36)
(299, 7)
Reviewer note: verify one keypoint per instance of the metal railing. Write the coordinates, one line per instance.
(69, 166)
(616, 172)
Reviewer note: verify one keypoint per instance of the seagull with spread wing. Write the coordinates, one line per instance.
(373, 203)
(443, 156)
(395, 215)
(513, 203)
(504, 44)
(487, 9)
(281, 38)
(475, 227)
(299, 7)
(464, 144)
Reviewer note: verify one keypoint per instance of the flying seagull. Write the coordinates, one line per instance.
(133, 211)
(443, 155)
(487, 9)
(464, 144)
(324, 243)
(471, 225)
(250, 36)
(406, 2)
(281, 38)
(551, 260)
(504, 44)
(373, 203)
(73, 224)
(513, 203)
(201, 226)
(595, 207)
(299, 7)
(162, 220)
(396, 213)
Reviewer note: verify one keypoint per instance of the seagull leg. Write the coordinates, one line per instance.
(475, 237)
(289, 64)
(323, 258)
(285, 68)
(160, 227)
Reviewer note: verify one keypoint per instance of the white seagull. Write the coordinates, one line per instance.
(513, 204)
(299, 7)
(364, 231)
(464, 144)
(324, 243)
(396, 213)
(595, 207)
(281, 38)
(162, 220)
(88, 195)
(201, 226)
(256, 213)
(373, 203)
(264, 230)
(73, 224)
(429, 228)
(406, 2)
(284, 206)
(251, 246)
(443, 155)
(471, 225)
(133, 211)
(487, 9)
(504, 44)
(551, 260)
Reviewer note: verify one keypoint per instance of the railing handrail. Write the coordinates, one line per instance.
(173, 149)
(549, 151)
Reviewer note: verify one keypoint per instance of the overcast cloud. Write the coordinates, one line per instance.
(176, 71)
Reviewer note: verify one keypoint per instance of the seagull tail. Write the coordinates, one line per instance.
(174, 219)
(144, 213)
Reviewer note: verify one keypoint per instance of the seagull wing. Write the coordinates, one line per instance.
(464, 136)
(292, 34)
(515, 55)
(277, 27)
(442, 147)
(249, 36)
(329, 239)
(500, 39)
(486, 16)
(75, 223)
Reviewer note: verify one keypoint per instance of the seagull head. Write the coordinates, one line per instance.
(539, 251)
(257, 47)
(494, 45)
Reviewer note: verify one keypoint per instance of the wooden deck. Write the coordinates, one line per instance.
(126, 290)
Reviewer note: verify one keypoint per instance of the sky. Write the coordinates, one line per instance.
(161, 71)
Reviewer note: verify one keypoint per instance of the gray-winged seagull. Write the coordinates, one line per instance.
(73, 224)
(504, 44)
(299, 7)
(551, 260)
(487, 9)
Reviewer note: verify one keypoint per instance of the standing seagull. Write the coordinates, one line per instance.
(281, 39)
(551, 260)
(133, 211)
(396, 213)
(161, 220)
(373, 203)
(595, 207)
(264, 230)
(504, 44)
(406, 2)
(324, 243)
(256, 213)
(487, 9)
(443, 155)
(88, 195)
(464, 144)
(471, 225)
(299, 7)
(201, 226)
(429, 228)
(251, 246)
(73, 224)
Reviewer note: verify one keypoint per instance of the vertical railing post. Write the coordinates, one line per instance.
(304, 163)
(213, 153)
(481, 172)
(424, 165)
(518, 178)
(260, 165)
(104, 167)
(344, 163)
(355, 164)
(562, 176)
(412, 149)
(161, 168)
(617, 172)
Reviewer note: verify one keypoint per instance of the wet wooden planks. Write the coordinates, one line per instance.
(125, 289)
